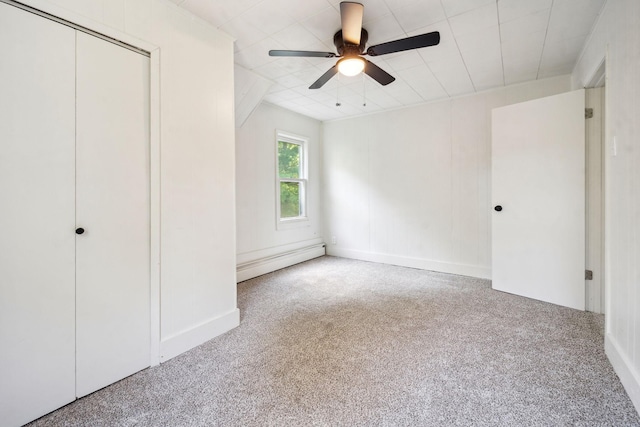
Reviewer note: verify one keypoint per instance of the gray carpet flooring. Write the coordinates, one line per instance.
(338, 342)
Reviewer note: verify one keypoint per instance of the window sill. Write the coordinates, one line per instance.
(291, 223)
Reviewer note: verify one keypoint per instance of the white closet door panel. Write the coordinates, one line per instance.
(37, 306)
(113, 324)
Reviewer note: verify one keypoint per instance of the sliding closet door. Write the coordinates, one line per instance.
(37, 303)
(112, 206)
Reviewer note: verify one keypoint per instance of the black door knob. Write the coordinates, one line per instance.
(79, 230)
(498, 208)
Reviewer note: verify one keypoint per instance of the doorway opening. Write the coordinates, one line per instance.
(595, 190)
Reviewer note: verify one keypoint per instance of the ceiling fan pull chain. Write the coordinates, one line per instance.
(364, 91)
(338, 92)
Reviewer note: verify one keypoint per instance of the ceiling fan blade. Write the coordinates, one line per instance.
(415, 42)
(302, 53)
(378, 74)
(324, 78)
(351, 17)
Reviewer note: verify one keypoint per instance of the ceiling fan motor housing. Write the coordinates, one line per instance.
(347, 49)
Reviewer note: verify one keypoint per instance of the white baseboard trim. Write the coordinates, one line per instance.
(255, 268)
(627, 373)
(172, 346)
(421, 263)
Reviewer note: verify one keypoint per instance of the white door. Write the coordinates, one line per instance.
(538, 178)
(112, 206)
(37, 239)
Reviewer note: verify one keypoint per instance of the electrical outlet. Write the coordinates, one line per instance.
(334, 241)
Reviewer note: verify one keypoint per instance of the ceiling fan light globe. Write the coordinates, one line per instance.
(351, 66)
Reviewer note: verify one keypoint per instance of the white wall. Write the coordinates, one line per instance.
(617, 36)
(196, 170)
(261, 246)
(412, 187)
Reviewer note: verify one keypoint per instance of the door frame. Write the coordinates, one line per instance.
(154, 148)
(598, 78)
(594, 206)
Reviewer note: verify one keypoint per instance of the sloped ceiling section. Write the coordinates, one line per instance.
(249, 89)
(484, 44)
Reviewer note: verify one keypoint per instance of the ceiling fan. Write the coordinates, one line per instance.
(350, 43)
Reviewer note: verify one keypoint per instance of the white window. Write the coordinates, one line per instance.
(291, 176)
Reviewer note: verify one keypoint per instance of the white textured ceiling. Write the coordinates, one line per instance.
(484, 44)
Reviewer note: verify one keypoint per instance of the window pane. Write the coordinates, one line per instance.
(288, 160)
(289, 199)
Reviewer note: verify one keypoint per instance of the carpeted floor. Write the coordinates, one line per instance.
(337, 342)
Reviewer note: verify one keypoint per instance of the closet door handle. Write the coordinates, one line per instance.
(79, 230)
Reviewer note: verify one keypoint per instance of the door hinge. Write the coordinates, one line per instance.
(588, 275)
(588, 113)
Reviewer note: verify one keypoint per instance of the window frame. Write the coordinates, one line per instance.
(303, 180)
